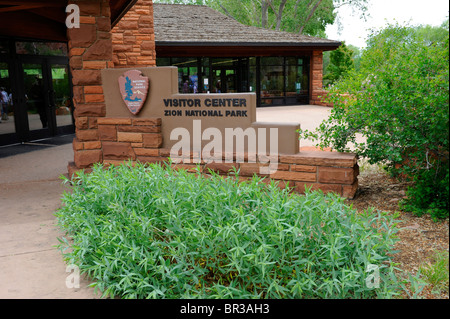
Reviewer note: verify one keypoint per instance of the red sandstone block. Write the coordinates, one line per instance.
(87, 20)
(93, 122)
(82, 37)
(89, 8)
(139, 129)
(146, 19)
(92, 145)
(90, 110)
(320, 158)
(349, 191)
(76, 62)
(148, 45)
(280, 166)
(118, 151)
(304, 168)
(336, 175)
(129, 137)
(325, 188)
(294, 176)
(250, 169)
(146, 151)
(94, 65)
(76, 51)
(152, 140)
(114, 121)
(86, 158)
(77, 145)
(107, 132)
(87, 135)
(81, 123)
(128, 25)
(86, 77)
(72, 169)
(164, 152)
(94, 89)
(94, 98)
(103, 24)
(100, 50)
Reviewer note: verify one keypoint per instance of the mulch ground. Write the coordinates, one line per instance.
(420, 237)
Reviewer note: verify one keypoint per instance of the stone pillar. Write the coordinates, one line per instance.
(133, 37)
(90, 50)
(317, 91)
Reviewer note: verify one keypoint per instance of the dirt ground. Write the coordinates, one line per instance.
(420, 237)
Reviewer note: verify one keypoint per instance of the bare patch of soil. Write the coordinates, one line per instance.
(420, 237)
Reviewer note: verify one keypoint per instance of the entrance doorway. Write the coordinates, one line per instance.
(41, 101)
(224, 79)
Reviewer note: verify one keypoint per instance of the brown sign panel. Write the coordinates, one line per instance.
(134, 89)
(220, 111)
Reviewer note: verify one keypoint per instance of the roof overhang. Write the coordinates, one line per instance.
(239, 49)
(45, 19)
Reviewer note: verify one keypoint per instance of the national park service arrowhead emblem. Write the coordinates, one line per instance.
(134, 88)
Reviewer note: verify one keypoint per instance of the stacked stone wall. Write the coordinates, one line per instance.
(124, 139)
(133, 37)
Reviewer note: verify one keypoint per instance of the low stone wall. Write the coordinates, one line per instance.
(140, 140)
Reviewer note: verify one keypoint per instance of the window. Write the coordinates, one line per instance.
(41, 48)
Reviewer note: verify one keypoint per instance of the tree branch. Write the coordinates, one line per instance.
(311, 13)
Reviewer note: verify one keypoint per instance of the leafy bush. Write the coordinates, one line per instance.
(398, 103)
(155, 232)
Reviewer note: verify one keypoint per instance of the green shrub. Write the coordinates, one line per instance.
(435, 271)
(429, 196)
(154, 232)
(398, 103)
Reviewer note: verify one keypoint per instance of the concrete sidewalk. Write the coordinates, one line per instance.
(30, 193)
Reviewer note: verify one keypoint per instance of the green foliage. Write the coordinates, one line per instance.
(154, 232)
(397, 105)
(303, 17)
(435, 271)
(341, 63)
(429, 195)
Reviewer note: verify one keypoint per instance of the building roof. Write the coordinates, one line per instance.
(190, 25)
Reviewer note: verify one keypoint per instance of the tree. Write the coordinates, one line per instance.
(299, 16)
(341, 62)
(398, 102)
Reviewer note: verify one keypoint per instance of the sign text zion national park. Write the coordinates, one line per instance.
(216, 107)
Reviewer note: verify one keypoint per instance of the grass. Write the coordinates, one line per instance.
(435, 271)
(156, 232)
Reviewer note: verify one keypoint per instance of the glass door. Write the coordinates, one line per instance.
(37, 104)
(48, 99)
(61, 98)
(7, 126)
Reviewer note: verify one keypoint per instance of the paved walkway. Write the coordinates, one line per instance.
(30, 192)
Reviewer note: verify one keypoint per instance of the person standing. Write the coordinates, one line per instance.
(4, 97)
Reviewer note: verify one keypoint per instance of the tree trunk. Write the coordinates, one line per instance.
(280, 14)
(264, 13)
